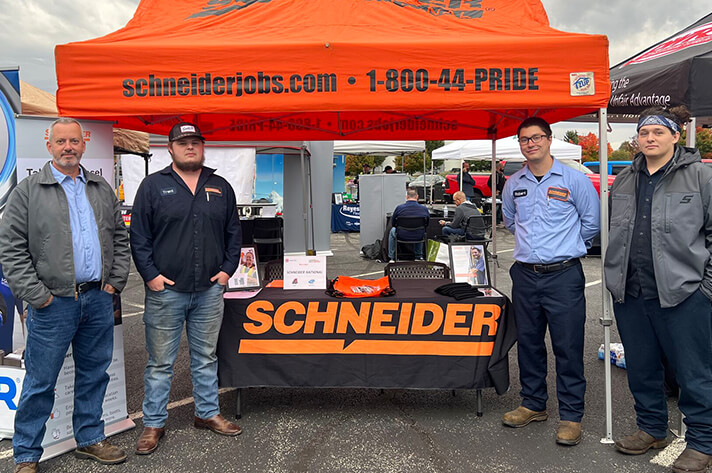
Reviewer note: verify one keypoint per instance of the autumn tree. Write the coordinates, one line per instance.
(589, 147)
(703, 141)
(571, 136)
(625, 152)
(413, 163)
(354, 163)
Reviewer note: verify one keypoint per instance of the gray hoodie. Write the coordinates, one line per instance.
(681, 228)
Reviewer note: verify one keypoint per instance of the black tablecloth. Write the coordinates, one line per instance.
(415, 339)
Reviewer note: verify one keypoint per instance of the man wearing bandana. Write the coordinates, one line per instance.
(659, 271)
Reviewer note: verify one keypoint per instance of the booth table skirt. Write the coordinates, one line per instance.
(415, 339)
(345, 218)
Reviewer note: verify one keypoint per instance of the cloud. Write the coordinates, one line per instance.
(32, 28)
(631, 26)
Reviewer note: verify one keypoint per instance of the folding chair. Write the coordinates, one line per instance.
(417, 270)
(411, 224)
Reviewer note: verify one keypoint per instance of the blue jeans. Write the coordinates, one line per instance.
(418, 246)
(555, 300)
(165, 313)
(684, 335)
(448, 230)
(88, 325)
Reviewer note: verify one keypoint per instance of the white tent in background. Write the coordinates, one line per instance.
(507, 150)
(378, 147)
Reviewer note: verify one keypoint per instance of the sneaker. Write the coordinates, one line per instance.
(522, 416)
(391, 261)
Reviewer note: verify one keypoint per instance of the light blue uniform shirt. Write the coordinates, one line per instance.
(552, 220)
(85, 234)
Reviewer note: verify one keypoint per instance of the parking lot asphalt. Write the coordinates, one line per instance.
(369, 430)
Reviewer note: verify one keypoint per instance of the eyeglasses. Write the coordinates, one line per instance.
(534, 139)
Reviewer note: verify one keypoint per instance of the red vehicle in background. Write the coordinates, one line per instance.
(452, 184)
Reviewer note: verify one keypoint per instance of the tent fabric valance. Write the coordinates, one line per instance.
(334, 69)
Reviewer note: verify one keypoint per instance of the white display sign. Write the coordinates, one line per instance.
(305, 272)
(32, 154)
(59, 437)
(236, 165)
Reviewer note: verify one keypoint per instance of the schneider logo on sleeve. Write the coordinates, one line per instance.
(582, 83)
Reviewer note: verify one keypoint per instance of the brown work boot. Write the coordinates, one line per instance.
(692, 461)
(522, 416)
(27, 467)
(568, 433)
(103, 452)
(219, 425)
(639, 443)
(148, 441)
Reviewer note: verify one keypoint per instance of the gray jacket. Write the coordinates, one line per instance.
(36, 238)
(681, 228)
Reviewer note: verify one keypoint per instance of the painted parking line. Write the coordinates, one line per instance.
(367, 274)
(174, 404)
(7, 453)
(593, 283)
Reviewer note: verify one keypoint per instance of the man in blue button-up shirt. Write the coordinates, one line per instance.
(554, 212)
(64, 249)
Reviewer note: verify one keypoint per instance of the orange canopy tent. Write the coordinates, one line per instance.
(334, 69)
(271, 70)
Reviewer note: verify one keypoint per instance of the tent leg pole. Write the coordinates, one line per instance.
(493, 211)
(606, 319)
(690, 142)
(305, 211)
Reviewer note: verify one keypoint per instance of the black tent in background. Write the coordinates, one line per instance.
(675, 71)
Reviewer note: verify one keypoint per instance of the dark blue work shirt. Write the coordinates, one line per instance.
(186, 238)
(410, 208)
(641, 274)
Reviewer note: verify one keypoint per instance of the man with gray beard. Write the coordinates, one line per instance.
(185, 240)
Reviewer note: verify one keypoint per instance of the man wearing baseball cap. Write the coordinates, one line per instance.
(185, 240)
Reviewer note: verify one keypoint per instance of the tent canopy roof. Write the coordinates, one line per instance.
(36, 101)
(675, 71)
(334, 69)
(378, 147)
(507, 150)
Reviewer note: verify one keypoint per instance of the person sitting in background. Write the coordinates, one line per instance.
(410, 208)
(463, 211)
(468, 185)
(388, 170)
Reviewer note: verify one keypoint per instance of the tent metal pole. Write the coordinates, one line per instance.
(432, 172)
(690, 142)
(606, 319)
(311, 248)
(305, 212)
(493, 275)
(425, 186)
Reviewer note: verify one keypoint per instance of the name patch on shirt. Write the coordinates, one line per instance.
(519, 193)
(168, 191)
(214, 190)
(558, 193)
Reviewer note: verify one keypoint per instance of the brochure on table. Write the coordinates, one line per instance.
(305, 272)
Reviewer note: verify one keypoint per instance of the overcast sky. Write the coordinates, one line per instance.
(31, 29)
